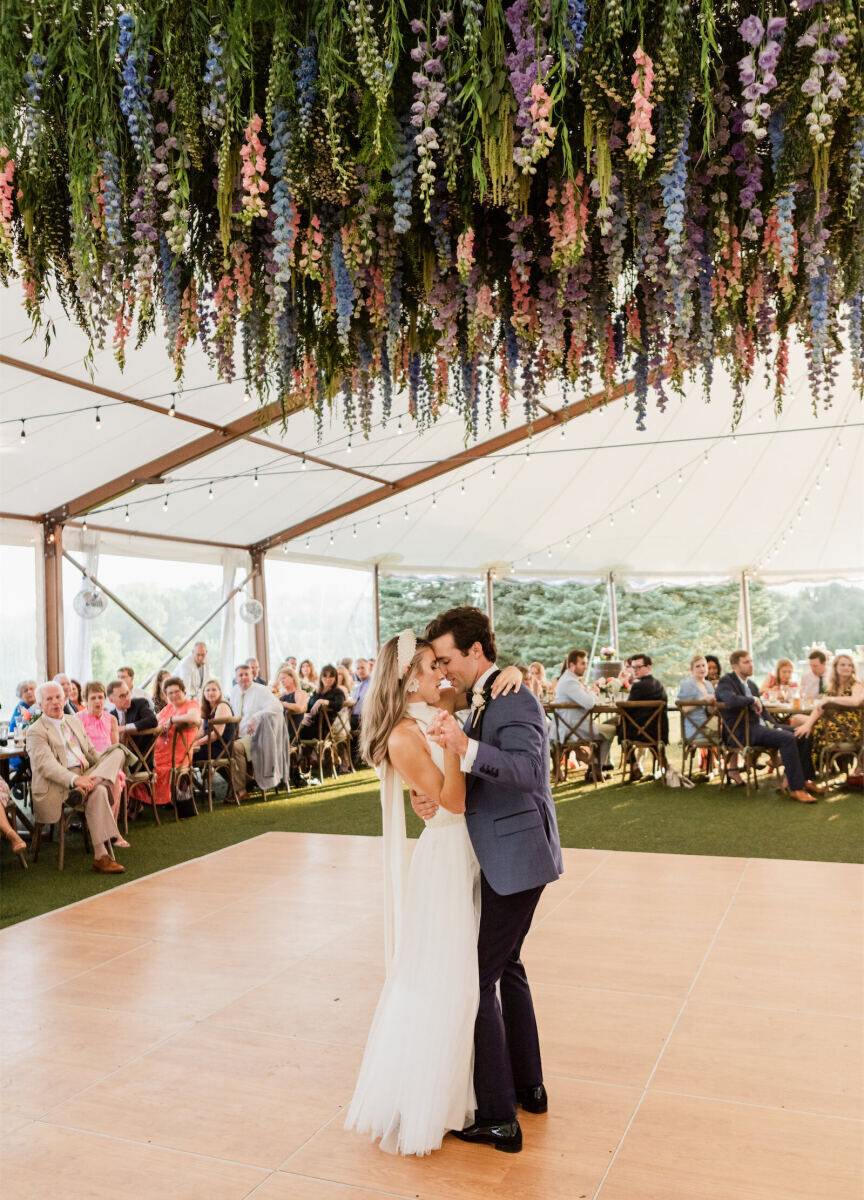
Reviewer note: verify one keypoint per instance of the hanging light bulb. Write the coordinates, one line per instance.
(563, 431)
(210, 492)
(331, 537)
(172, 407)
(611, 519)
(818, 485)
(734, 439)
(493, 470)
(378, 523)
(528, 451)
(588, 532)
(399, 427)
(285, 546)
(307, 541)
(759, 416)
(632, 507)
(126, 517)
(549, 552)
(98, 418)
(354, 532)
(84, 524)
(165, 503)
(23, 438)
(657, 491)
(680, 477)
(246, 396)
(434, 500)
(255, 478)
(303, 463)
(567, 543)
(528, 561)
(348, 447)
(705, 457)
(406, 512)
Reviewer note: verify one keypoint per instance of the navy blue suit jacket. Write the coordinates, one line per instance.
(734, 694)
(508, 803)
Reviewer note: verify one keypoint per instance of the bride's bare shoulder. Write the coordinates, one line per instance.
(406, 735)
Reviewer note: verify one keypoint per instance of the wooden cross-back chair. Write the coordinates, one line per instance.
(706, 736)
(140, 772)
(218, 755)
(641, 729)
(849, 748)
(735, 739)
(575, 728)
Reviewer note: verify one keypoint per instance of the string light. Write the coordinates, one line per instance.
(84, 524)
(563, 431)
(434, 500)
(399, 428)
(348, 447)
(657, 491)
(255, 478)
(462, 487)
(165, 503)
(307, 542)
(680, 477)
(354, 532)
(172, 407)
(549, 552)
(210, 492)
(378, 523)
(406, 512)
(567, 543)
(528, 561)
(632, 507)
(493, 470)
(611, 519)
(246, 396)
(303, 463)
(705, 457)
(126, 517)
(331, 537)
(98, 418)
(285, 546)
(23, 437)
(588, 532)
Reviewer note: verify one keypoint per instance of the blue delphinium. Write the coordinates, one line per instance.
(856, 336)
(113, 203)
(284, 231)
(386, 383)
(640, 388)
(32, 110)
(135, 91)
(673, 186)
(402, 176)
(213, 112)
(306, 75)
(344, 286)
(706, 325)
(394, 309)
(576, 23)
(171, 291)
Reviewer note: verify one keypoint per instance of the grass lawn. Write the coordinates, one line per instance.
(643, 816)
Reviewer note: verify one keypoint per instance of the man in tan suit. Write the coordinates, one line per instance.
(62, 759)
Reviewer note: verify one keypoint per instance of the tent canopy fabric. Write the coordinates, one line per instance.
(782, 497)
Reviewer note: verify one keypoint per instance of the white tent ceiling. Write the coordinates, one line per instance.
(563, 510)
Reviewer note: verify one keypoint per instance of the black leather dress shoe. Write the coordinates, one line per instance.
(506, 1135)
(534, 1100)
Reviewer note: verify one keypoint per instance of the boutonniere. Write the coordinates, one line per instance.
(478, 703)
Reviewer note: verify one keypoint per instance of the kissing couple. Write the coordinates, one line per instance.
(453, 1045)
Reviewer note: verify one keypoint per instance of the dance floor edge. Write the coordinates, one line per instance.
(195, 1034)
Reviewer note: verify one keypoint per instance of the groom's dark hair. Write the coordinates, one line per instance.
(467, 625)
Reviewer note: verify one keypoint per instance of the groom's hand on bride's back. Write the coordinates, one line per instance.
(423, 806)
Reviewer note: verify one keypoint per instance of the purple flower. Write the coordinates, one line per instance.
(776, 26)
(751, 30)
(768, 57)
(806, 5)
(747, 70)
(418, 26)
(811, 85)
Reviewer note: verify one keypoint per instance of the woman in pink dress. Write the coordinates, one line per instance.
(183, 714)
(102, 730)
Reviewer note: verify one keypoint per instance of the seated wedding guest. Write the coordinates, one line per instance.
(572, 689)
(348, 663)
(714, 671)
(845, 691)
(361, 687)
(23, 713)
(696, 686)
(815, 677)
(258, 736)
(193, 671)
(781, 680)
(255, 668)
(291, 662)
(102, 730)
(213, 706)
(157, 699)
(736, 691)
(66, 766)
(308, 676)
(7, 829)
(625, 675)
(131, 715)
(646, 687)
(127, 675)
(537, 681)
(329, 695)
(78, 698)
(182, 713)
(70, 704)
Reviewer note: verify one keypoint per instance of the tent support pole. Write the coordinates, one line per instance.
(745, 612)
(613, 611)
(53, 553)
(198, 628)
(376, 605)
(259, 592)
(490, 599)
(128, 611)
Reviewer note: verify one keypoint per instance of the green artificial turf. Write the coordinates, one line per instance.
(644, 817)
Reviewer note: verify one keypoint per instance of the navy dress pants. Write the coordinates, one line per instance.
(506, 1045)
(795, 752)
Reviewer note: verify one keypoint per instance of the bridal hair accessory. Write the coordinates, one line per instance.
(406, 648)
(413, 686)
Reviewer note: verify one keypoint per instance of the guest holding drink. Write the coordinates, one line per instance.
(782, 682)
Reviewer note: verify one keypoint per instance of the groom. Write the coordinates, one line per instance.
(504, 751)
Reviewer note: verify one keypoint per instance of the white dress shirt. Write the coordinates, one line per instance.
(75, 758)
(466, 762)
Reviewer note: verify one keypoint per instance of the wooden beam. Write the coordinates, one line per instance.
(158, 537)
(456, 462)
(259, 592)
(52, 552)
(123, 398)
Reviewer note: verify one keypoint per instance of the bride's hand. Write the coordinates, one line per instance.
(507, 681)
(423, 806)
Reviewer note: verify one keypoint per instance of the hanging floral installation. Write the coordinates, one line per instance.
(468, 202)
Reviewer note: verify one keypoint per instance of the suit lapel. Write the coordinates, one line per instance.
(475, 728)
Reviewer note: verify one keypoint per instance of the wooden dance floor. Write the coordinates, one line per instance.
(196, 1035)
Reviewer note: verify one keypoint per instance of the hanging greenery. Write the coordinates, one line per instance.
(339, 198)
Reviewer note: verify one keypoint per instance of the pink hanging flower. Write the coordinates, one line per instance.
(465, 254)
(7, 175)
(252, 171)
(640, 139)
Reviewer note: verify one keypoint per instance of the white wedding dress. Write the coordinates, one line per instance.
(416, 1080)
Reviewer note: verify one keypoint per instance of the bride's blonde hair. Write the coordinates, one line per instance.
(387, 699)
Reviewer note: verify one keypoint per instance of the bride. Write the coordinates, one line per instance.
(416, 1079)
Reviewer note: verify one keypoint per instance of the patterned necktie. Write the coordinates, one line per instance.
(73, 744)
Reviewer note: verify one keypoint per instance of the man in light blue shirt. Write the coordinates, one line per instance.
(361, 687)
(571, 689)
